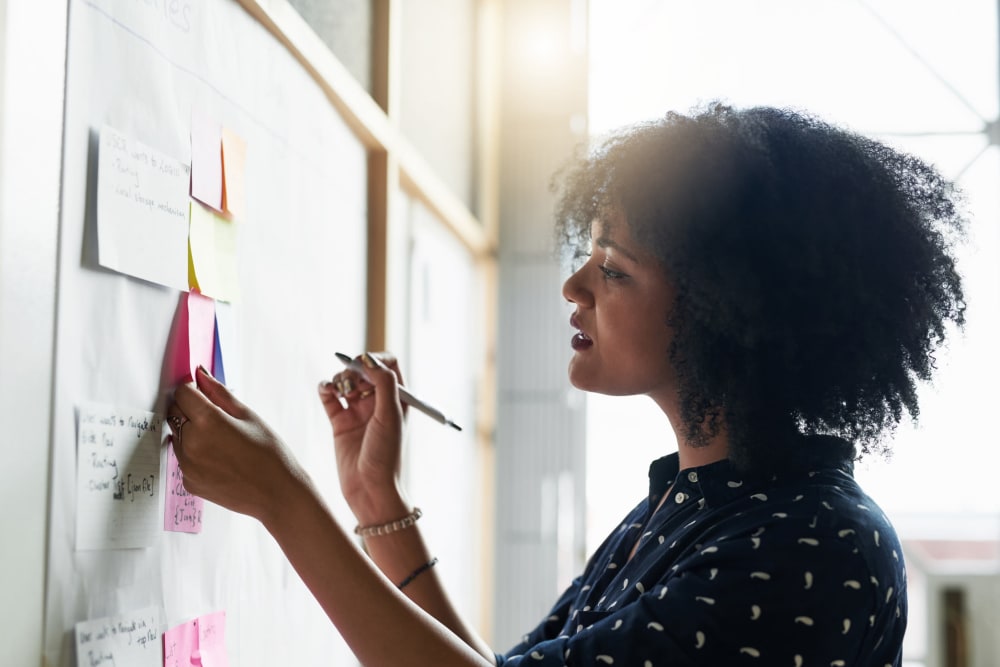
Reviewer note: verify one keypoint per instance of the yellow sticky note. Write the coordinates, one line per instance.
(234, 156)
(212, 244)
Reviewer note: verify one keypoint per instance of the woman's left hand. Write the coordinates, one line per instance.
(227, 454)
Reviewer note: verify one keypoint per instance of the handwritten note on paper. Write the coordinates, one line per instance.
(201, 642)
(212, 640)
(117, 470)
(182, 510)
(206, 160)
(213, 254)
(234, 156)
(131, 639)
(142, 211)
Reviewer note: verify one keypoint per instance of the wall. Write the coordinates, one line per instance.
(32, 64)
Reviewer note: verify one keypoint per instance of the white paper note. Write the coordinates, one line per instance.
(131, 639)
(142, 211)
(117, 472)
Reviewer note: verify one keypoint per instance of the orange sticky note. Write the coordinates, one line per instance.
(234, 155)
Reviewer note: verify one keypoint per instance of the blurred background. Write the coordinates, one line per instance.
(494, 96)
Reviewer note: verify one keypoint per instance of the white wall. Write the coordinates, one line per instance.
(32, 73)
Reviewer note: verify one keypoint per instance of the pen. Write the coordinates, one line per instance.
(404, 394)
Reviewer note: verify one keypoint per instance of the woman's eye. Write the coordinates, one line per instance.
(611, 274)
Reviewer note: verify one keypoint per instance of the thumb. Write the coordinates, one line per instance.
(219, 394)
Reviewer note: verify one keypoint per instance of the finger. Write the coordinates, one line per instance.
(219, 394)
(384, 381)
(192, 403)
(331, 399)
(389, 360)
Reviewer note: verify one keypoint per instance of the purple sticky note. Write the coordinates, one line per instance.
(212, 640)
(182, 511)
(218, 368)
(206, 160)
(180, 645)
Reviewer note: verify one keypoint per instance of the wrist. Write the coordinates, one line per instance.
(380, 507)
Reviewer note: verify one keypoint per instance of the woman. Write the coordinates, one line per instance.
(776, 285)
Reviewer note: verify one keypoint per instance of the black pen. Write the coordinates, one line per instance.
(404, 394)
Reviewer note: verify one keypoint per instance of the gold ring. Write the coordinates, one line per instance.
(366, 393)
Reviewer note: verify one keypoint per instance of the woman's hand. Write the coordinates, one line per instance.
(367, 419)
(227, 454)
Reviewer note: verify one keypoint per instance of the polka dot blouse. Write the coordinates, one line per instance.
(804, 571)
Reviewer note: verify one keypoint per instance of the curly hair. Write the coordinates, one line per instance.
(813, 269)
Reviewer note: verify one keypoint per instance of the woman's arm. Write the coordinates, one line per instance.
(229, 456)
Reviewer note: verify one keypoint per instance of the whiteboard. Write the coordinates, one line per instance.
(141, 67)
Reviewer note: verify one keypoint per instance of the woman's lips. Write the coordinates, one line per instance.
(580, 341)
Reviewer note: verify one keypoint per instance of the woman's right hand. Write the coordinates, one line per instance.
(367, 419)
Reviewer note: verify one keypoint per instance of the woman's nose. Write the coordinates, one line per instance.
(575, 291)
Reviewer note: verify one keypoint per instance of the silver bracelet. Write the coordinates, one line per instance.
(391, 527)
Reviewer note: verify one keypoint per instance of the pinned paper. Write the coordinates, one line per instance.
(200, 642)
(227, 348)
(132, 639)
(212, 640)
(206, 160)
(118, 468)
(213, 254)
(192, 339)
(234, 155)
(142, 210)
(182, 510)
(192, 343)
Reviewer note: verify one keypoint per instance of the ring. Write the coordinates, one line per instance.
(366, 393)
(175, 424)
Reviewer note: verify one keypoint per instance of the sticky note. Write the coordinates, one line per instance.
(213, 246)
(192, 337)
(212, 640)
(206, 159)
(182, 510)
(132, 639)
(117, 484)
(142, 210)
(200, 642)
(234, 155)
(228, 352)
(180, 645)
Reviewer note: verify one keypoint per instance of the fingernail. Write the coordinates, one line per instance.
(348, 386)
(340, 387)
(371, 361)
(203, 370)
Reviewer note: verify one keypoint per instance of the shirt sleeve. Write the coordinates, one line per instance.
(779, 595)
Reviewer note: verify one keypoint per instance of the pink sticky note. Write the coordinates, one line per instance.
(212, 640)
(192, 338)
(201, 331)
(182, 511)
(234, 154)
(206, 160)
(180, 645)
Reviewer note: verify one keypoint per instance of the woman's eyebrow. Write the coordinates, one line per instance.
(605, 242)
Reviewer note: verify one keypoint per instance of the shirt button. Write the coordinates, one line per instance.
(693, 477)
(680, 498)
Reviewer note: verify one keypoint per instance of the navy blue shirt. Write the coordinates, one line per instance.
(801, 570)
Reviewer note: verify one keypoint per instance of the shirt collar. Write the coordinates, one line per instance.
(720, 482)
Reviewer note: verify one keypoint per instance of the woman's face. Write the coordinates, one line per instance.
(622, 300)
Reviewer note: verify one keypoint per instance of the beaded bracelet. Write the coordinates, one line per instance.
(391, 527)
(416, 573)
